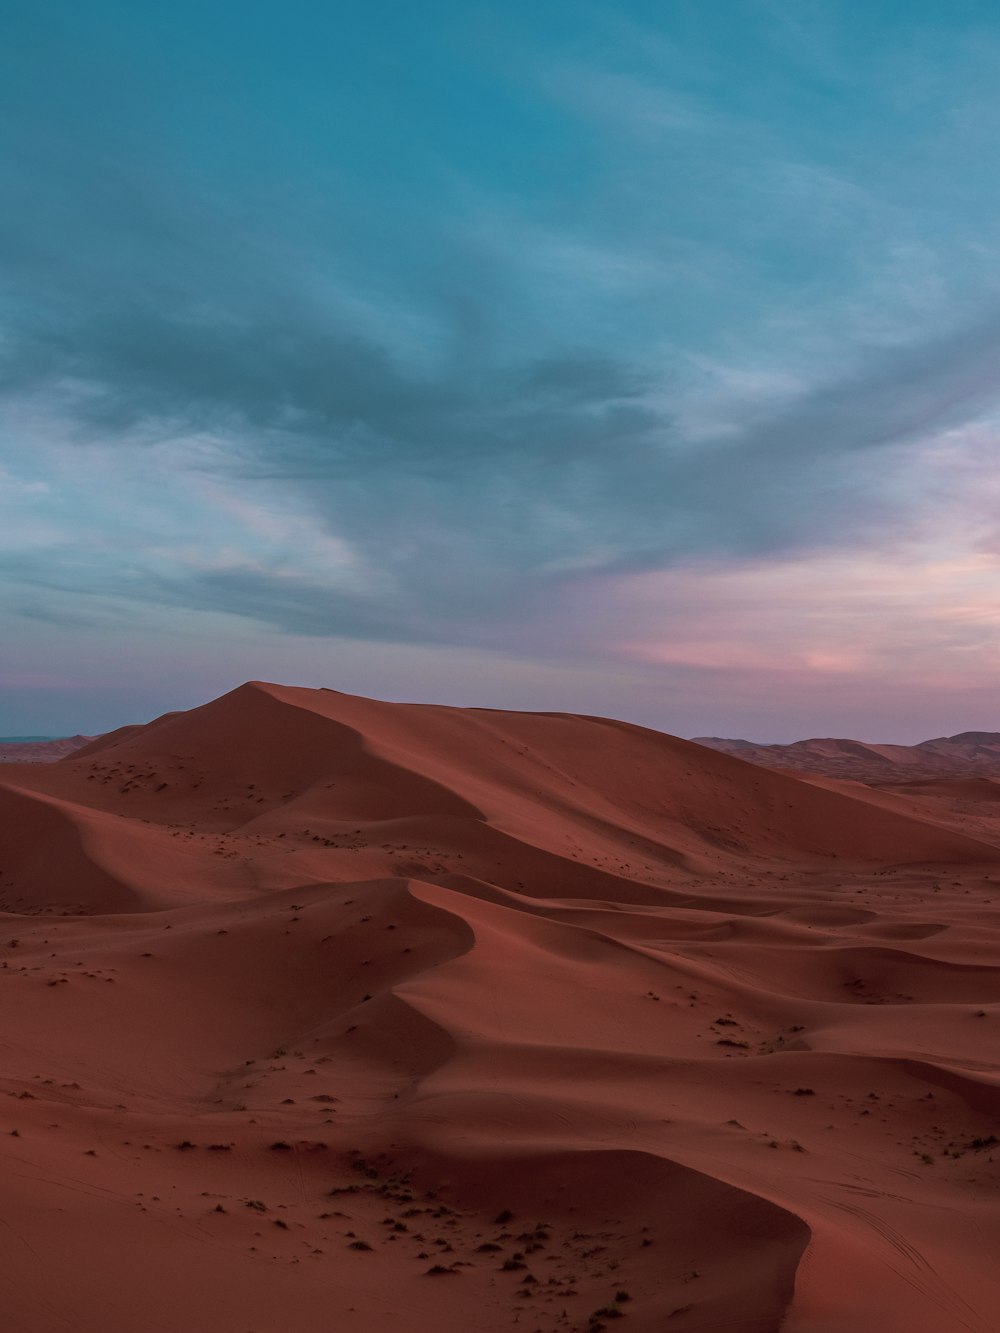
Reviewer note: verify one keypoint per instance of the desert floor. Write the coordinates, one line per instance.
(322, 1015)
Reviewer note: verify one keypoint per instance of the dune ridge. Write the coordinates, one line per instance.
(367, 1015)
(969, 752)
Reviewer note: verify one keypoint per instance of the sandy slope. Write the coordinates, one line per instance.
(325, 1014)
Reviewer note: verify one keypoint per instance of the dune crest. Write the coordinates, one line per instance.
(366, 1015)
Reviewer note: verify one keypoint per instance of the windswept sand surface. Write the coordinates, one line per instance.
(330, 1016)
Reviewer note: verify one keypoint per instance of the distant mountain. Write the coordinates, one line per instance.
(726, 746)
(970, 752)
(39, 749)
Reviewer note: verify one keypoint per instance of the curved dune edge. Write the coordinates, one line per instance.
(389, 971)
(63, 857)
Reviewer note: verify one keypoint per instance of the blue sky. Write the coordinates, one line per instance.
(640, 359)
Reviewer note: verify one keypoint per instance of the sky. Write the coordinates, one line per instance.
(639, 359)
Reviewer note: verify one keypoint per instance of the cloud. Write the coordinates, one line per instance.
(476, 495)
(909, 617)
(432, 417)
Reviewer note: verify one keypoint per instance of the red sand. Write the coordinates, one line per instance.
(324, 1014)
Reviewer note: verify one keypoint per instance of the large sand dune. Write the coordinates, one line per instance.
(326, 1014)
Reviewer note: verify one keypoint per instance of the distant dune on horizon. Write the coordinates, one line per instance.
(968, 752)
(364, 1014)
(39, 750)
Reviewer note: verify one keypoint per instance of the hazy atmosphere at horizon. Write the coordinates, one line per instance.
(632, 359)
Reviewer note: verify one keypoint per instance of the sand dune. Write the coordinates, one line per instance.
(40, 752)
(324, 1013)
(969, 752)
